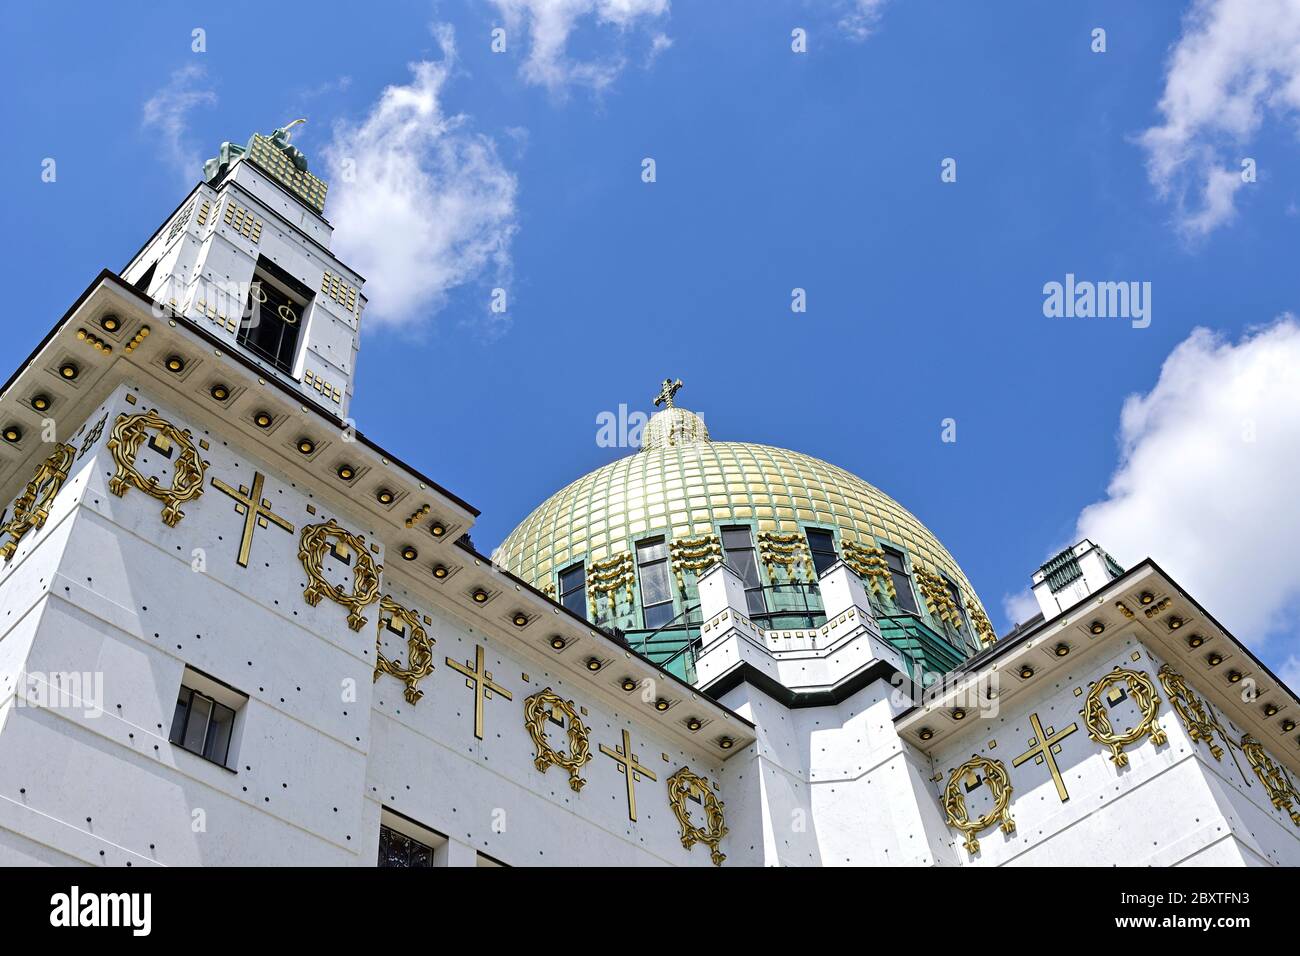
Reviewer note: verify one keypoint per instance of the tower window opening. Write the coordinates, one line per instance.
(573, 589)
(273, 315)
(656, 595)
(905, 597)
(738, 543)
(821, 544)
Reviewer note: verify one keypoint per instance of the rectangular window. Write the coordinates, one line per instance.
(399, 850)
(738, 545)
(273, 315)
(905, 597)
(656, 593)
(573, 589)
(202, 725)
(822, 546)
(955, 593)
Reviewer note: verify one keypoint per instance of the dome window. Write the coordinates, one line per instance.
(573, 589)
(738, 543)
(821, 544)
(905, 596)
(656, 593)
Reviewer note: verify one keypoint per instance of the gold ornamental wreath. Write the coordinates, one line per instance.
(537, 710)
(32, 507)
(954, 803)
(124, 443)
(1097, 720)
(419, 649)
(1190, 708)
(680, 786)
(365, 573)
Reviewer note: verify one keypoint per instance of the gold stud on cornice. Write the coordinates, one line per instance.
(409, 553)
(110, 323)
(480, 596)
(959, 713)
(594, 664)
(139, 337)
(306, 446)
(558, 643)
(440, 571)
(437, 529)
(519, 619)
(726, 743)
(384, 496)
(1146, 597)
(628, 684)
(263, 419)
(926, 733)
(1175, 623)
(1288, 725)
(346, 472)
(1214, 659)
(1096, 627)
(13, 434)
(1195, 641)
(41, 402)
(1026, 672)
(693, 724)
(1062, 649)
(1234, 677)
(219, 392)
(175, 364)
(1270, 710)
(69, 371)
(661, 705)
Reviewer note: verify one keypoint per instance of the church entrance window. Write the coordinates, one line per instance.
(656, 594)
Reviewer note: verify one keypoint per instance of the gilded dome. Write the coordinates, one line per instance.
(681, 485)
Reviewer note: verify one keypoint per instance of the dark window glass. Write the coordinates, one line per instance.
(822, 545)
(738, 544)
(273, 316)
(573, 590)
(955, 593)
(905, 597)
(202, 726)
(656, 594)
(398, 849)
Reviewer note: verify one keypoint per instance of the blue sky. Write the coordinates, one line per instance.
(775, 170)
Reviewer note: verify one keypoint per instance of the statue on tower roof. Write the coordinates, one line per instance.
(230, 153)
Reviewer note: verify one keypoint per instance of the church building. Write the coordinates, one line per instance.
(233, 630)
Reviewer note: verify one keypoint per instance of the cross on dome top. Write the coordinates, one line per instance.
(667, 391)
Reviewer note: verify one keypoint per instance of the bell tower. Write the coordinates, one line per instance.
(247, 257)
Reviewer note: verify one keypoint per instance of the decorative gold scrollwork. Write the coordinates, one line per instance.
(32, 507)
(607, 578)
(938, 599)
(312, 547)
(694, 555)
(981, 771)
(1275, 781)
(129, 433)
(789, 551)
(543, 706)
(1190, 708)
(681, 786)
(1097, 719)
(419, 648)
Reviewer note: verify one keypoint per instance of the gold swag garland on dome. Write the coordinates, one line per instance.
(419, 649)
(128, 434)
(365, 574)
(695, 555)
(789, 551)
(607, 578)
(868, 561)
(980, 621)
(681, 786)
(1097, 719)
(938, 599)
(32, 507)
(538, 709)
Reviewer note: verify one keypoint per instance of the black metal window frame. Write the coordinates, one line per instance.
(272, 290)
(955, 593)
(755, 596)
(644, 570)
(567, 589)
(828, 554)
(901, 578)
(414, 853)
(181, 726)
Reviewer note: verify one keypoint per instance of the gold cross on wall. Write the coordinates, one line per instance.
(255, 509)
(667, 391)
(1044, 747)
(629, 767)
(481, 681)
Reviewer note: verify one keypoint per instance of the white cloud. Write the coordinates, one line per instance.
(1020, 607)
(1236, 62)
(860, 17)
(167, 112)
(1208, 476)
(420, 203)
(549, 25)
